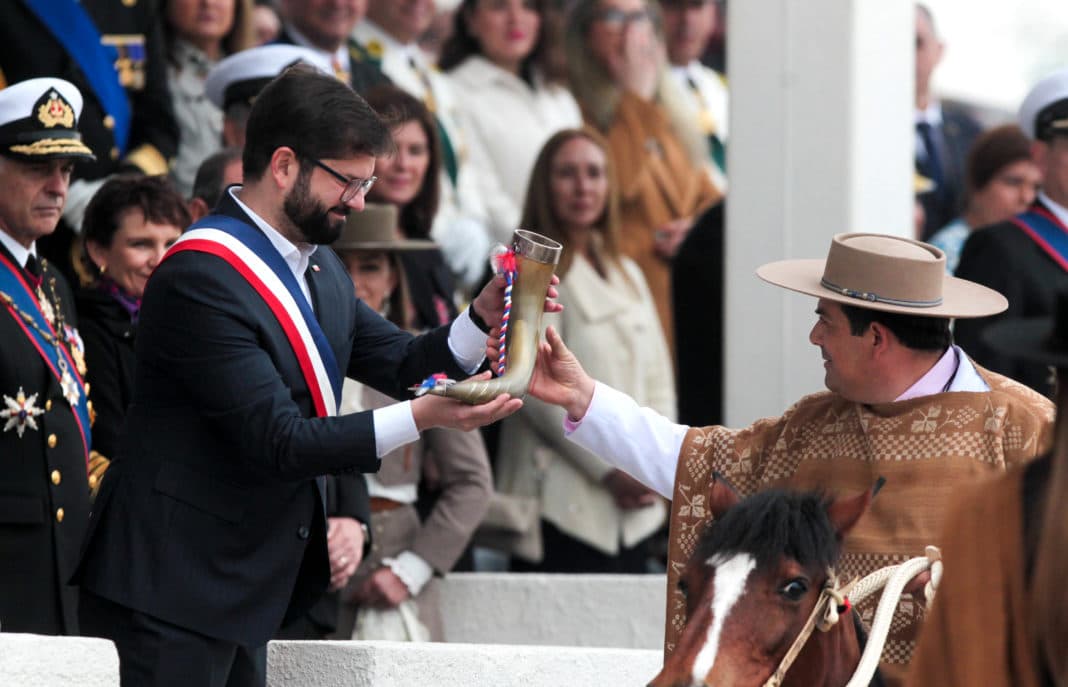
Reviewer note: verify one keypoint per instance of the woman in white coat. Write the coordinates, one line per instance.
(593, 518)
(510, 105)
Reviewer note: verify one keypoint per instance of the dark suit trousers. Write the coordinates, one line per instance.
(158, 654)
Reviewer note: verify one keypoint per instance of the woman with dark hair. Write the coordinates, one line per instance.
(593, 518)
(1000, 618)
(511, 104)
(618, 72)
(198, 34)
(128, 226)
(408, 179)
(1001, 181)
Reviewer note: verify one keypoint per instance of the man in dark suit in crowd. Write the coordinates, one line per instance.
(1026, 258)
(943, 133)
(113, 53)
(209, 531)
(44, 412)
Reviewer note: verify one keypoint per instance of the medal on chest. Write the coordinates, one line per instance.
(20, 412)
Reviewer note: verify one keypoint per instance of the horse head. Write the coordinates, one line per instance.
(753, 581)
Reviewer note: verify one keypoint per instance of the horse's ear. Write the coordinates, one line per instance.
(845, 511)
(721, 496)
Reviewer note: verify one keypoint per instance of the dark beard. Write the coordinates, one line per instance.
(309, 216)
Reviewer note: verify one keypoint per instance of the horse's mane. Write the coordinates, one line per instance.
(771, 524)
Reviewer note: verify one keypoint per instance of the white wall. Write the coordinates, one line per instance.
(392, 664)
(39, 661)
(622, 611)
(821, 143)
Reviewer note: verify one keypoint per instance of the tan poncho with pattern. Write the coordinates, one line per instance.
(925, 447)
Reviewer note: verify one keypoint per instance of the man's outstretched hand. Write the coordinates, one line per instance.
(558, 377)
(438, 411)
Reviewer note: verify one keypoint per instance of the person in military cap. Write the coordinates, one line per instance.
(1026, 258)
(233, 84)
(44, 411)
(113, 52)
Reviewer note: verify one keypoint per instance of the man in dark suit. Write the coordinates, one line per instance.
(113, 53)
(209, 531)
(943, 134)
(324, 26)
(44, 412)
(1026, 258)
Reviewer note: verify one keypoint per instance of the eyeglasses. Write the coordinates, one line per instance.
(617, 19)
(353, 186)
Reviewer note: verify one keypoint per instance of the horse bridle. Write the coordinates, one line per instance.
(832, 602)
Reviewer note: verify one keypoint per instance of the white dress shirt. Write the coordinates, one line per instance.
(394, 425)
(17, 250)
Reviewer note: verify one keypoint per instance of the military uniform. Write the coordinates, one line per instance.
(130, 32)
(44, 413)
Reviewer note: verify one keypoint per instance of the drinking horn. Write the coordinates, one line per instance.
(535, 259)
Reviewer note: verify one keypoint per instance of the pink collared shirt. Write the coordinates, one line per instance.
(937, 379)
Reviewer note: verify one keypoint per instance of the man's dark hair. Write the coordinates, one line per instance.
(155, 197)
(915, 332)
(314, 114)
(208, 183)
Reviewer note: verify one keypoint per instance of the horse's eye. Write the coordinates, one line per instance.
(794, 590)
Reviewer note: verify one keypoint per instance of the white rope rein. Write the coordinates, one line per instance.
(894, 579)
(824, 615)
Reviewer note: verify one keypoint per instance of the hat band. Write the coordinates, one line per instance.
(876, 298)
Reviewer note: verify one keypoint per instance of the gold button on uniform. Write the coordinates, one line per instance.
(109, 122)
(52, 441)
(59, 515)
(48, 405)
(56, 477)
(114, 153)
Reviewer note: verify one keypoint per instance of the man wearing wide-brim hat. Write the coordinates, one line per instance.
(902, 402)
(44, 409)
(1026, 257)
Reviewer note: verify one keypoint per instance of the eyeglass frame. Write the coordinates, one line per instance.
(353, 186)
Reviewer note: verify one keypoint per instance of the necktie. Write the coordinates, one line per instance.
(340, 71)
(931, 166)
(33, 271)
(428, 91)
(707, 122)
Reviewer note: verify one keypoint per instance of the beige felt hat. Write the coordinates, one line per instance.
(375, 228)
(886, 273)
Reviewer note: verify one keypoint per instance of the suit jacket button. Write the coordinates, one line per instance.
(56, 477)
(59, 515)
(303, 532)
(48, 405)
(52, 440)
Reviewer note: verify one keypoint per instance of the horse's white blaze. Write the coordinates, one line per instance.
(728, 581)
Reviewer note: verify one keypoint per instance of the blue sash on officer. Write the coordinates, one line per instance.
(72, 26)
(54, 354)
(1046, 231)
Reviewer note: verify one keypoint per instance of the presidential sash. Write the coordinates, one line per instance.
(250, 253)
(21, 304)
(1047, 231)
(71, 25)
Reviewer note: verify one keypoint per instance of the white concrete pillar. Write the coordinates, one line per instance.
(821, 143)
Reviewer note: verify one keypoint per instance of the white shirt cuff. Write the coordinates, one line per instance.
(412, 570)
(467, 342)
(394, 427)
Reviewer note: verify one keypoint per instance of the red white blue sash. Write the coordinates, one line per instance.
(55, 355)
(1047, 231)
(251, 254)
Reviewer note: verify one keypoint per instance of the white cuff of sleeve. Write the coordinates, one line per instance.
(467, 342)
(394, 427)
(412, 570)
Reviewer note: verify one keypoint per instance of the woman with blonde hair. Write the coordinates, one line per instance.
(1000, 618)
(619, 75)
(593, 518)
